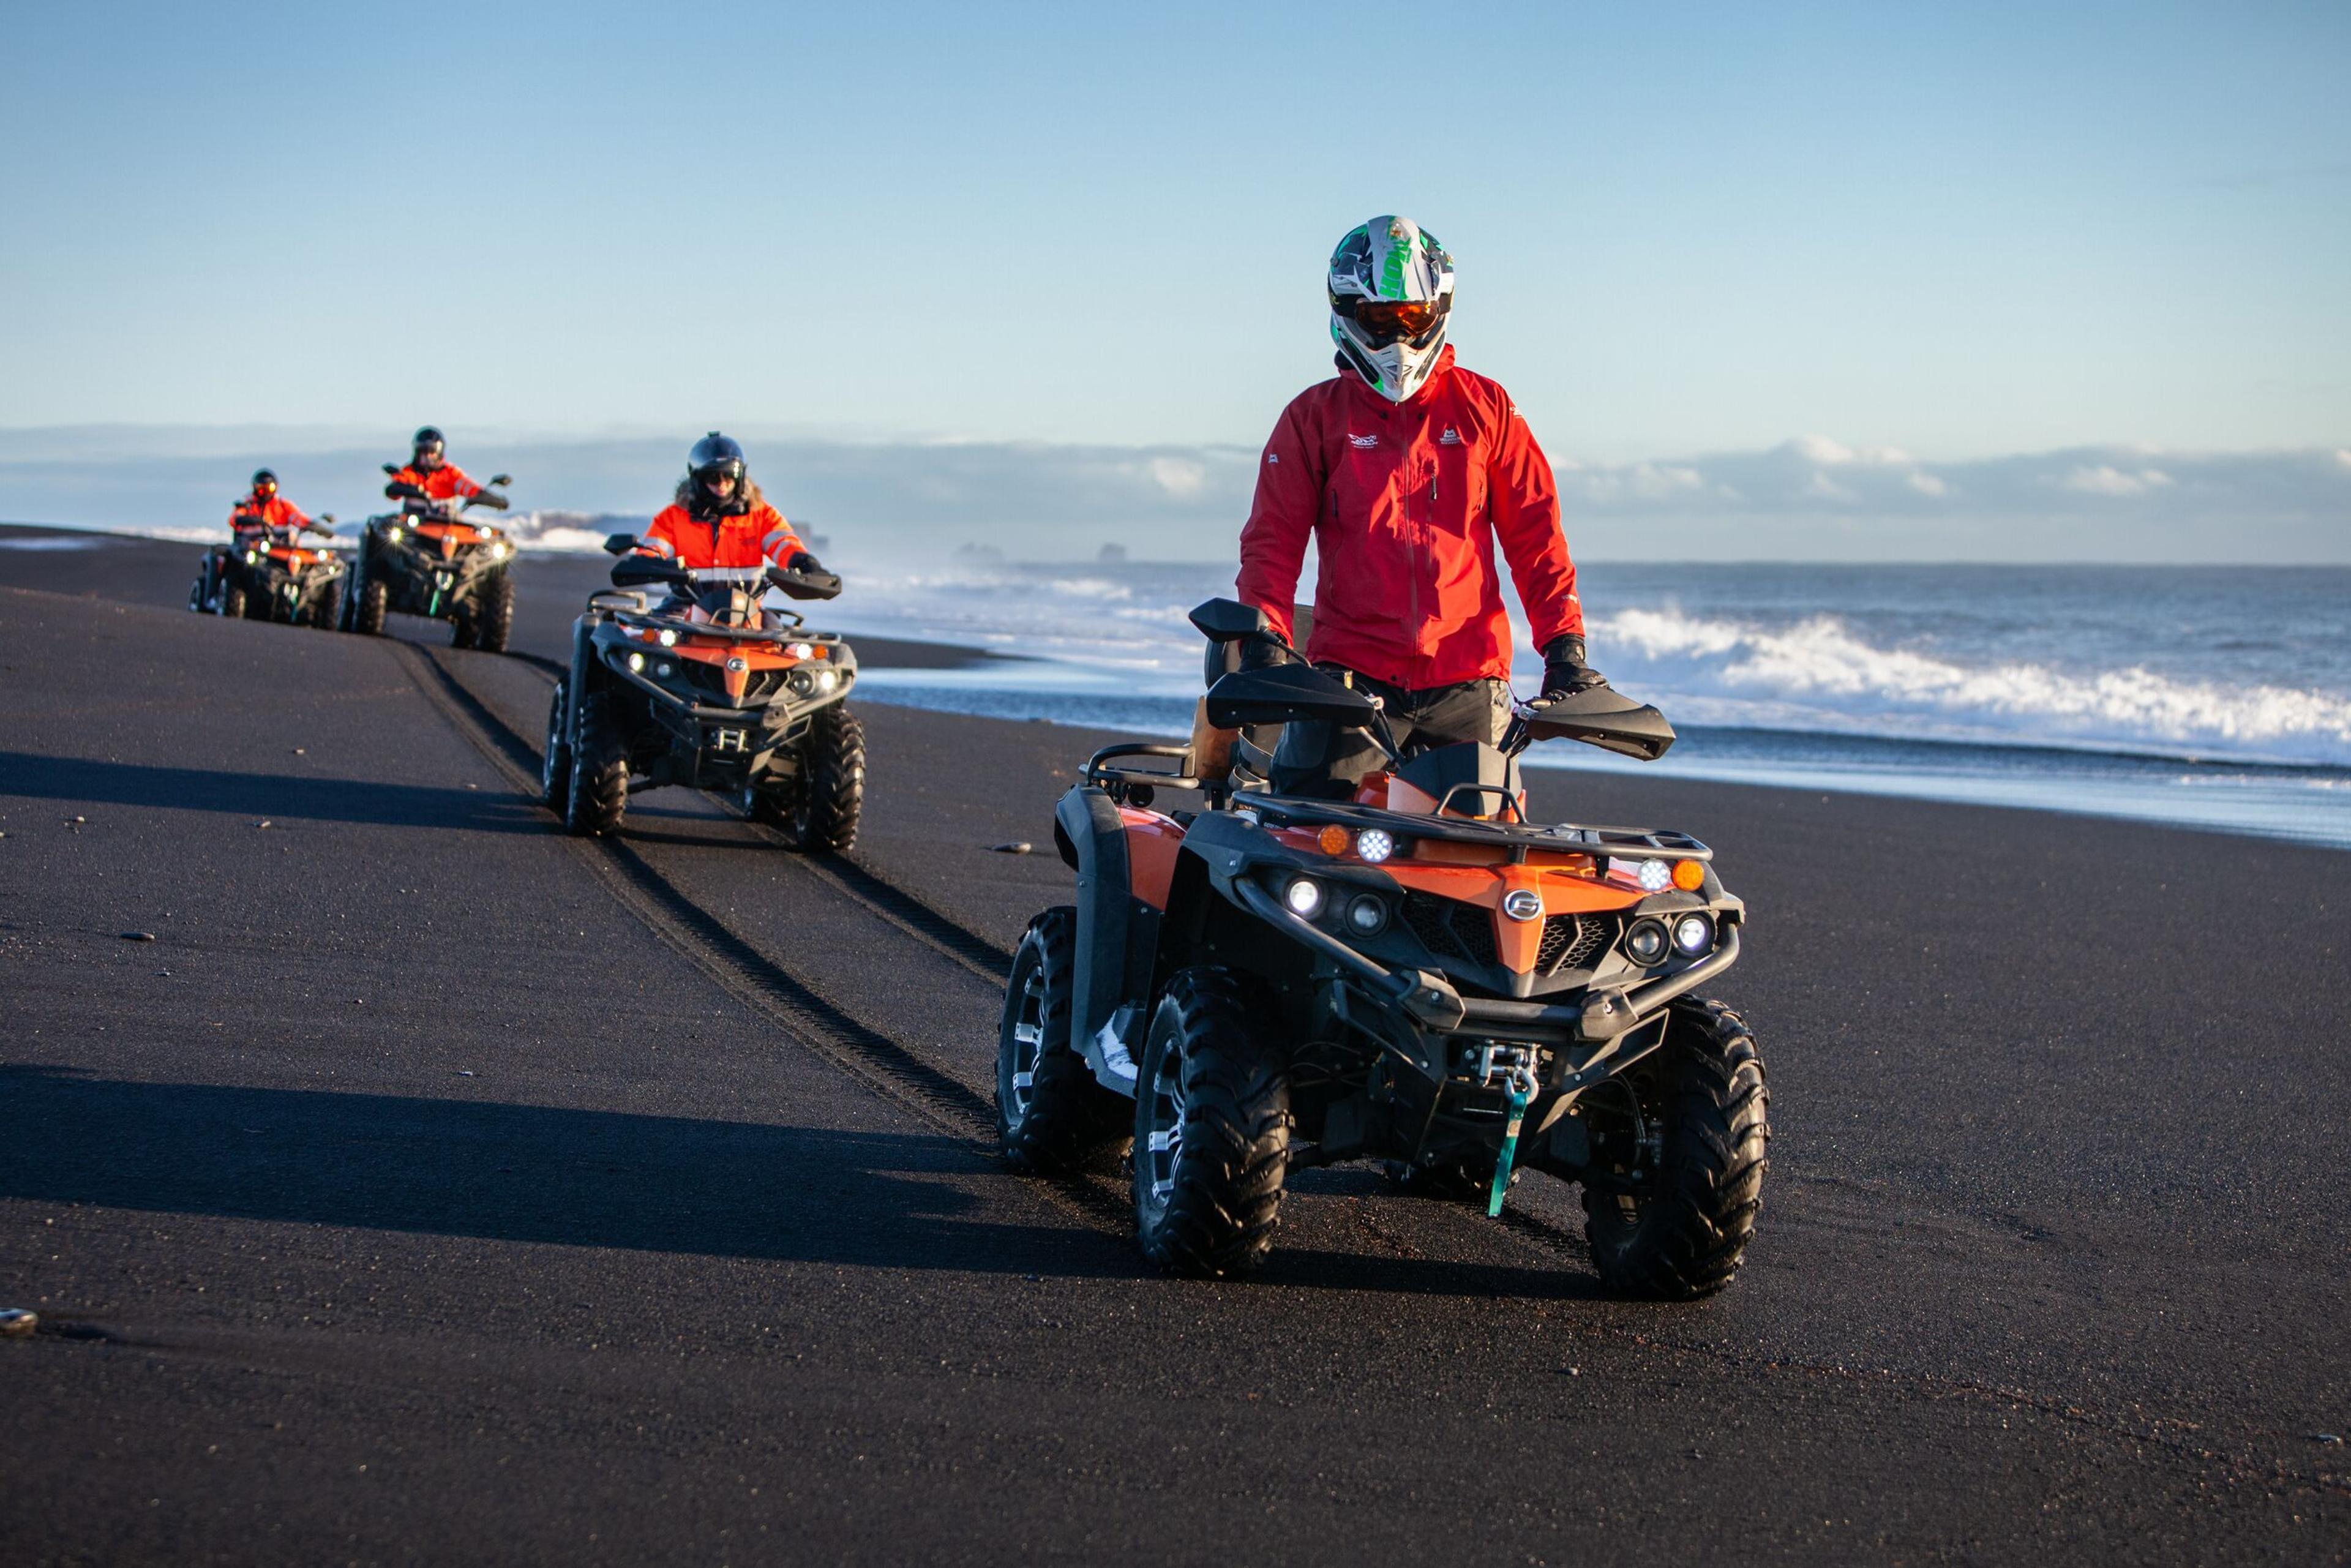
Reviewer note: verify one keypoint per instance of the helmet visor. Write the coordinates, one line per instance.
(1386, 321)
(720, 478)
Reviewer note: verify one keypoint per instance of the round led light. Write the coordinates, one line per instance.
(1690, 875)
(498, 551)
(1376, 844)
(737, 666)
(1693, 934)
(636, 660)
(1655, 876)
(669, 639)
(1646, 941)
(1332, 840)
(1304, 896)
(800, 650)
(826, 680)
(252, 556)
(665, 670)
(1368, 914)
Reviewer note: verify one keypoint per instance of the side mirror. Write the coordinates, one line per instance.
(1287, 694)
(501, 478)
(619, 544)
(326, 516)
(1228, 621)
(392, 468)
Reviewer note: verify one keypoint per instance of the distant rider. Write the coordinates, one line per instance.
(429, 476)
(261, 518)
(719, 519)
(1405, 470)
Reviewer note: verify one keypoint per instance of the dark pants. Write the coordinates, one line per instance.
(1324, 761)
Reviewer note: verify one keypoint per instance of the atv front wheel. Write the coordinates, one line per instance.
(232, 602)
(1212, 1128)
(599, 771)
(367, 606)
(555, 758)
(831, 794)
(1050, 1115)
(1674, 1220)
(327, 609)
(494, 614)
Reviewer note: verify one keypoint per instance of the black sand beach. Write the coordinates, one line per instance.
(435, 1186)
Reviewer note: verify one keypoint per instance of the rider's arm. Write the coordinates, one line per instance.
(1523, 501)
(461, 483)
(655, 541)
(1281, 519)
(295, 516)
(780, 544)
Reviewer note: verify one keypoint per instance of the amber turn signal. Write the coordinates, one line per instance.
(1690, 875)
(1334, 840)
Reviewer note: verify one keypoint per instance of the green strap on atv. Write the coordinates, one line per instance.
(1521, 1092)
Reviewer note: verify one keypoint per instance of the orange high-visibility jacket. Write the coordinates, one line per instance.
(277, 512)
(442, 483)
(759, 536)
(1405, 502)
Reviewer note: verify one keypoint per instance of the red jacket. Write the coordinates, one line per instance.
(442, 483)
(276, 513)
(759, 537)
(1405, 502)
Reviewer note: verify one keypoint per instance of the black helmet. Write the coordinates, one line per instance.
(715, 455)
(428, 439)
(262, 477)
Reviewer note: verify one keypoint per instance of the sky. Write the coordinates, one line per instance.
(1687, 236)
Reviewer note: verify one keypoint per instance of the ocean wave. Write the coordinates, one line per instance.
(1818, 674)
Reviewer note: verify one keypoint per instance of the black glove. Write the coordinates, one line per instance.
(1264, 652)
(803, 561)
(495, 503)
(1565, 671)
(400, 490)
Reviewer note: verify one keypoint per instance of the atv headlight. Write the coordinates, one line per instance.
(1375, 844)
(252, 557)
(636, 663)
(669, 639)
(802, 682)
(392, 533)
(665, 670)
(1693, 934)
(498, 550)
(800, 650)
(1655, 876)
(1366, 915)
(825, 681)
(1646, 941)
(1304, 896)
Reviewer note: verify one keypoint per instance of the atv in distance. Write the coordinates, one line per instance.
(269, 575)
(428, 559)
(708, 690)
(1417, 975)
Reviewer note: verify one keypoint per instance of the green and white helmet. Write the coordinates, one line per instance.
(1391, 291)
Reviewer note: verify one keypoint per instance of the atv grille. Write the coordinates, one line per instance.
(1449, 929)
(1572, 941)
(757, 684)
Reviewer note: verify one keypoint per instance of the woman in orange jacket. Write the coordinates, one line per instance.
(719, 520)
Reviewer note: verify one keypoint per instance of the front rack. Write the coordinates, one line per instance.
(794, 632)
(1133, 786)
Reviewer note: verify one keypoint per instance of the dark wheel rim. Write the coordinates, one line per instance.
(1027, 1044)
(1162, 1144)
(552, 764)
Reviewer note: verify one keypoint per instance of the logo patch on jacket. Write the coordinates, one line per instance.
(1364, 441)
(1451, 437)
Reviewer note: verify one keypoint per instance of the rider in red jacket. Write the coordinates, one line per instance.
(430, 478)
(1406, 470)
(719, 520)
(264, 511)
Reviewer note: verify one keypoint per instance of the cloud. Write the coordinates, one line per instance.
(1811, 497)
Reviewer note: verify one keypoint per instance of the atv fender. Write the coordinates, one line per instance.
(583, 672)
(1117, 933)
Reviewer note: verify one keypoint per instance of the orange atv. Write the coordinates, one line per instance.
(428, 559)
(710, 690)
(1418, 975)
(269, 574)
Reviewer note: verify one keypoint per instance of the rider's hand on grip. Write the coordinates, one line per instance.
(1565, 670)
(1264, 652)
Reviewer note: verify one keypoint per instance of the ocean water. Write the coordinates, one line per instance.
(2212, 697)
